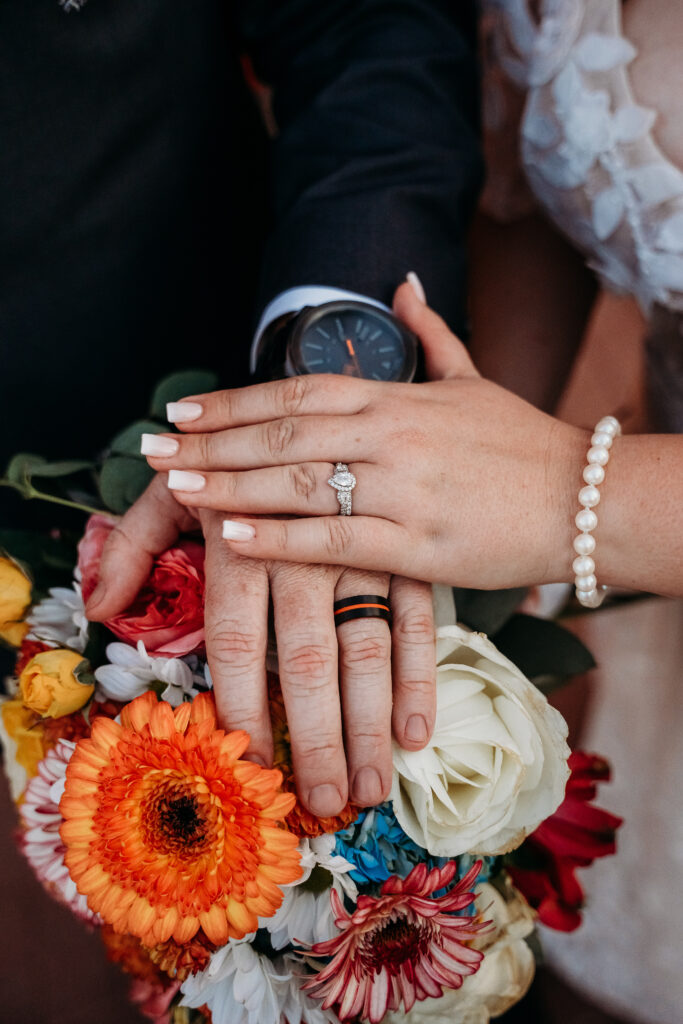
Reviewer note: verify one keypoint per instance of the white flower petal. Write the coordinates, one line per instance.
(670, 234)
(608, 210)
(496, 765)
(632, 122)
(596, 51)
(656, 183)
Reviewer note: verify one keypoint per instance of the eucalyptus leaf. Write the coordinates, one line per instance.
(180, 385)
(127, 442)
(541, 648)
(122, 480)
(22, 466)
(57, 469)
(486, 611)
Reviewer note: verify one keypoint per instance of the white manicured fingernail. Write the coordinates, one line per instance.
(180, 480)
(183, 412)
(416, 284)
(154, 444)
(237, 531)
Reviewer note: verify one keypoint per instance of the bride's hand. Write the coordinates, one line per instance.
(458, 480)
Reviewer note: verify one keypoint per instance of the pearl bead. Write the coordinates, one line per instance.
(602, 439)
(584, 544)
(590, 598)
(609, 425)
(589, 496)
(598, 455)
(586, 519)
(594, 474)
(583, 565)
(587, 582)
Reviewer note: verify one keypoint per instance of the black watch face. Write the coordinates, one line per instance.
(353, 339)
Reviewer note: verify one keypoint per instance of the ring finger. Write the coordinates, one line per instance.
(365, 678)
(300, 489)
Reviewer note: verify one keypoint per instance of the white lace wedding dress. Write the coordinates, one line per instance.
(559, 104)
(590, 158)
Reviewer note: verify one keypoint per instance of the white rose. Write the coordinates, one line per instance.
(496, 765)
(505, 974)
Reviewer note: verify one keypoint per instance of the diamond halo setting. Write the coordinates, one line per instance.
(343, 482)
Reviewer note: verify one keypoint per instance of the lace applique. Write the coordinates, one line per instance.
(587, 145)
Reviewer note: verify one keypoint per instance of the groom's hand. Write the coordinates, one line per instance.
(337, 685)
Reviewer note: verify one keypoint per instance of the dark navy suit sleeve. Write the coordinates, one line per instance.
(377, 164)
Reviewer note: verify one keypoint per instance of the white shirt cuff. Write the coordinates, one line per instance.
(294, 299)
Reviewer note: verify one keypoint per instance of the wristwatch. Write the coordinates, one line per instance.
(355, 339)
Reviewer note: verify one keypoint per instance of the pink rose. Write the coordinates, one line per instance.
(168, 613)
(152, 999)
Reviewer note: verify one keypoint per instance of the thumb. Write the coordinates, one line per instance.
(150, 526)
(445, 355)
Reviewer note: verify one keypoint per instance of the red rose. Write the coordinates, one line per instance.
(544, 868)
(168, 613)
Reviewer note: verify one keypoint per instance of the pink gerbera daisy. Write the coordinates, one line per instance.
(401, 946)
(40, 841)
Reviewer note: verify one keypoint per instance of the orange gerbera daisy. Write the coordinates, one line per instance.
(167, 831)
(299, 820)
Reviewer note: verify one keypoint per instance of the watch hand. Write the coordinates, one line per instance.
(353, 355)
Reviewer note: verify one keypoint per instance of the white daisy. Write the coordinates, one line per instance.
(41, 843)
(305, 915)
(131, 671)
(242, 986)
(60, 619)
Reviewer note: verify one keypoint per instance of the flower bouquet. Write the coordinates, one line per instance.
(224, 898)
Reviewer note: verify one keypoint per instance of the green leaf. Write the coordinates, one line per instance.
(181, 385)
(83, 673)
(540, 647)
(56, 469)
(22, 466)
(127, 442)
(486, 611)
(122, 481)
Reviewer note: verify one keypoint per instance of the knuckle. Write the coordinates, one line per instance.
(369, 652)
(413, 626)
(278, 436)
(293, 391)
(338, 536)
(303, 480)
(224, 405)
(204, 448)
(308, 664)
(317, 747)
(232, 645)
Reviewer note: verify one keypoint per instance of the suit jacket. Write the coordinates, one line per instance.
(134, 198)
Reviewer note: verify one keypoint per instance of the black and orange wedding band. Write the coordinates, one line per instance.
(363, 606)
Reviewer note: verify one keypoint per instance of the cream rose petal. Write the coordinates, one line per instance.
(496, 765)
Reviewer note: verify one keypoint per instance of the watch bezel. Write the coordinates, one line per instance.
(295, 365)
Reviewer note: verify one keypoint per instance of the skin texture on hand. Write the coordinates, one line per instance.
(340, 698)
(458, 480)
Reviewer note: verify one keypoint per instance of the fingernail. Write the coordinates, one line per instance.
(416, 284)
(416, 729)
(96, 596)
(180, 480)
(367, 787)
(237, 531)
(183, 412)
(154, 444)
(325, 800)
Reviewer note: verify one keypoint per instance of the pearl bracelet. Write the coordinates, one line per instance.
(587, 591)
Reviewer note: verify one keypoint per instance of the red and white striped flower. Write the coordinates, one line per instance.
(398, 947)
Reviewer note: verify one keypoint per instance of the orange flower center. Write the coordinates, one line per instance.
(172, 822)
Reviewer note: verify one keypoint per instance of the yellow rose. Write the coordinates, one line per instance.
(48, 684)
(15, 598)
(22, 738)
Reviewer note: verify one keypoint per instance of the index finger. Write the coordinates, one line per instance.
(312, 394)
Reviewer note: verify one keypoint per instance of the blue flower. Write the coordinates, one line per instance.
(378, 847)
